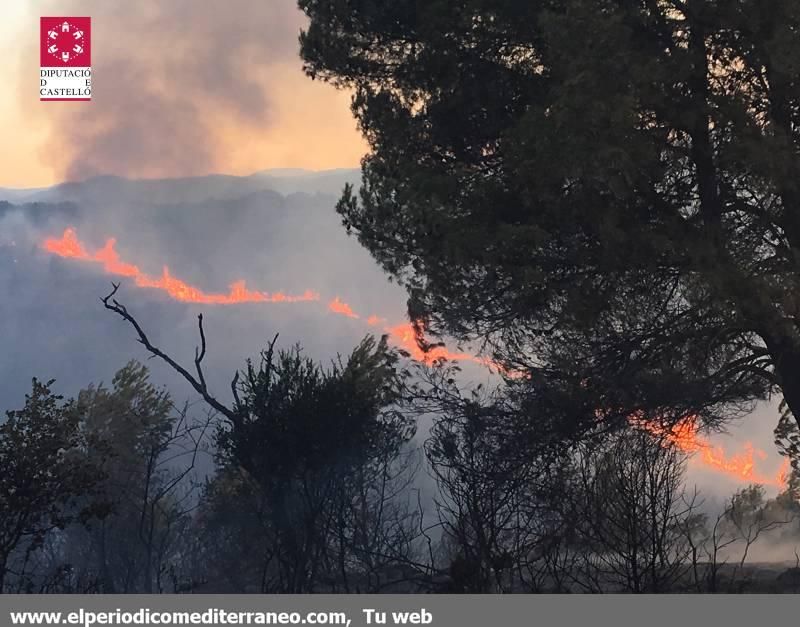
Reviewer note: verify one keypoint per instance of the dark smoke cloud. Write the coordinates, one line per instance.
(169, 78)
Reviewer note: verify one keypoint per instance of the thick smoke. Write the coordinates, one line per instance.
(171, 78)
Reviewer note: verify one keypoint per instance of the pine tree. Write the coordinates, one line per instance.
(608, 192)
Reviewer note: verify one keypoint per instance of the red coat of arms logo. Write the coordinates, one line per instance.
(65, 57)
(66, 42)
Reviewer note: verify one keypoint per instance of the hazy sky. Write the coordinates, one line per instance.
(202, 86)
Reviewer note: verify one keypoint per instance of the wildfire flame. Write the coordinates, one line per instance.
(343, 309)
(69, 246)
(740, 466)
(405, 335)
(410, 337)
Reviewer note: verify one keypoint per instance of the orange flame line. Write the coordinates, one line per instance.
(69, 246)
(741, 466)
(404, 335)
(343, 309)
(409, 338)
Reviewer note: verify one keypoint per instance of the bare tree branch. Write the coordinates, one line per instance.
(112, 304)
(200, 353)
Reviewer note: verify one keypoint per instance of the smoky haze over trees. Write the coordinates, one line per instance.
(314, 490)
(602, 198)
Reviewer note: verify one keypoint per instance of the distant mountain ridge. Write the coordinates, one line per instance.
(187, 189)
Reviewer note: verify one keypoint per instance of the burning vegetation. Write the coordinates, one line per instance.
(407, 336)
(686, 436)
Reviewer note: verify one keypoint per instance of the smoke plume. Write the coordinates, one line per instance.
(172, 81)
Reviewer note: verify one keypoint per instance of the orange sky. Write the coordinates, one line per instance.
(307, 125)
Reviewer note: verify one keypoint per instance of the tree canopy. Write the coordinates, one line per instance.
(606, 191)
(45, 471)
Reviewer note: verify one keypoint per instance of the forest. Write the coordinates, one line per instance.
(319, 485)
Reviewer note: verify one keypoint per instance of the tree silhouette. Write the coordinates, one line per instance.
(45, 471)
(147, 450)
(316, 459)
(321, 445)
(605, 192)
